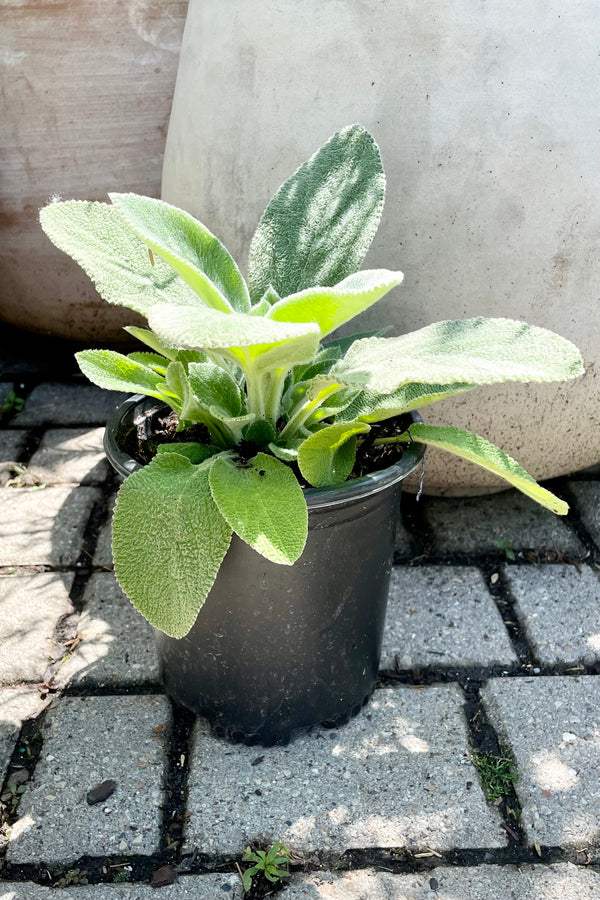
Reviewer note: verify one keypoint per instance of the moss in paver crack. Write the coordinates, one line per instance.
(497, 773)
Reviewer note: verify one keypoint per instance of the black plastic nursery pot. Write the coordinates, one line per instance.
(279, 648)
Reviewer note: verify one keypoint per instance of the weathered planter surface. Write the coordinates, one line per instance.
(86, 100)
(278, 648)
(487, 119)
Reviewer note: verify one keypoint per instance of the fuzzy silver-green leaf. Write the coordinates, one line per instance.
(327, 456)
(97, 237)
(477, 450)
(188, 247)
(116, 372)
(264, 504)
(320, 223)
(169, 540)
(476, 351)
(331, 307)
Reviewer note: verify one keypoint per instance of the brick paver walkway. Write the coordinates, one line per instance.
(492, 644)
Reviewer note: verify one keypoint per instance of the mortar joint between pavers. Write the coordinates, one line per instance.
(26, 755)
(483, 739)
(498, 588)
(175, 787)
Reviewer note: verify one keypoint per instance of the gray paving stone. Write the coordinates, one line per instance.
(16, 705)
(12, 444)
(443, 616)
(587, 494)
(477, 524)
(43, 526)
(103, 554)
(30, 608)
(54, 403)
(86, 741)
(551, 724)
(558, 882)
(193, 887)
(117, 644)
(559, 608)
(70, 455)
(399, 774)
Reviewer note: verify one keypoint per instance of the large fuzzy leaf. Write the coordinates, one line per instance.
(151, 340)
(476, 351)
(111, 370)
(151, 360)
(369, 406)
(344, 343)
(169, 540)
(214, 388)
(275, 343)
(189, 248)
(327, 456)
(97, 237)
(320, 223)
(333, 306)
(264, 505)
(476, 449)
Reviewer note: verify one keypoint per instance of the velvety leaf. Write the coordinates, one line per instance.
(335, 404)
(188, 407)
(474, 448)
(97, 237)
(333, 306)
(287, 452)
(264, 505)
(196, 453)
(369, 406)
(151, 340)
(169, 540)
(320, 223)
(261, 308)
(273, 343)
(112, 370)
(259, 433)
(320, 364)
(214, 388)
(327, 456)
(151, 360)
(475, 351)
(344, 343)
(190, 356)
(189, 248)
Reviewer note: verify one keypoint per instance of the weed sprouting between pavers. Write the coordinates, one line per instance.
(496, 773)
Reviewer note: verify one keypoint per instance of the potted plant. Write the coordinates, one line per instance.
(264, 456)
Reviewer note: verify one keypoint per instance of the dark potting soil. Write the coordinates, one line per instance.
(160, 427)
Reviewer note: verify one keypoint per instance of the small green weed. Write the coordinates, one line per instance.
(123, 876)
(495, 773)
(504, 544)
(73, 876)
(268, 862)
(12, 404)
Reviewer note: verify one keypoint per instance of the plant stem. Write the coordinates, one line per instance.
(398, 438)
(306, 409)
(254, 388)
(274, 392)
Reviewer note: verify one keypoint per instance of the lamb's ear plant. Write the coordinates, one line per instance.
(256, 364)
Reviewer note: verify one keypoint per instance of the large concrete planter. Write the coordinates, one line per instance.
(486, 117)
(87, 89)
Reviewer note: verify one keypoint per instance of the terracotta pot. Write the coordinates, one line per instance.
(485, 118)
(87, 95)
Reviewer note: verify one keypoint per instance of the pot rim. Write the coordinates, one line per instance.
(316, 498)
